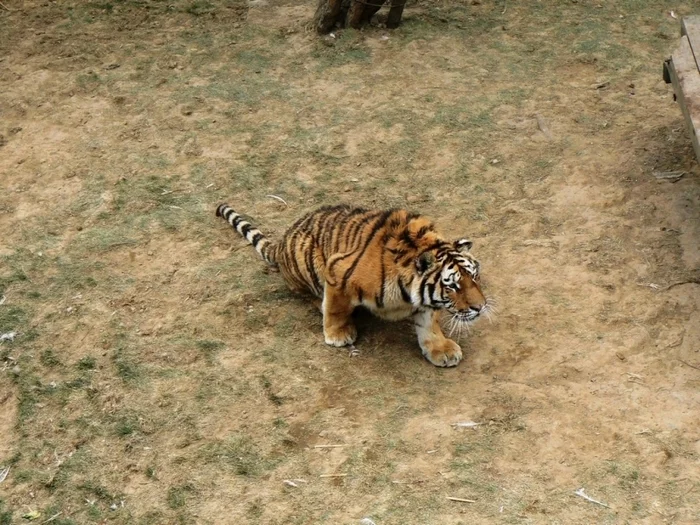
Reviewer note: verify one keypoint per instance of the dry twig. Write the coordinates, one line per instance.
(332, 475)
(671, 176)
(279, 199)
(581, 493)
(688, 364)
(542, 124)
(678, 283)
(461, 500)
(466, 424)
(399, 482)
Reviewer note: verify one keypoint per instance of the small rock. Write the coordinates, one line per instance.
(113, 65)
(16, 370)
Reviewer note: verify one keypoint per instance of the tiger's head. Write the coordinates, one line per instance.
(450, 280)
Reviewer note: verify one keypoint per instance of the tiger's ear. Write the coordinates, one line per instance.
(425, 262)
(463, 245)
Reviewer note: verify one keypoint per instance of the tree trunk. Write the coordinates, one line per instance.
(371, 9)
(355, 14)
(326, 15)
(394, 18)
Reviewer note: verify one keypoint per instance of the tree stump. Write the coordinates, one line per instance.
(354, 13)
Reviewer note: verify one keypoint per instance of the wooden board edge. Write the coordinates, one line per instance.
(686, 84)
(690, 27)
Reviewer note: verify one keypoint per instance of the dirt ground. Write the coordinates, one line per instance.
(160, 375)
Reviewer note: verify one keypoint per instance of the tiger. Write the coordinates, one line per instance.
(391, 262)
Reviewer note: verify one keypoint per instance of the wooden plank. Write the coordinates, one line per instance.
(686, 84)
(690, 27)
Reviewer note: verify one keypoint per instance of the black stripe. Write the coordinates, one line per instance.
(406, 238)
(422, 289)
(245, 229)
(349, 249)
(360, 225)
(377, 226)
(356, 231)
(398, 254)
(394, 223)
(309, 260)
(236, 222)
(380, 298)
(404, 293)
(360, 293)
(439, 245)
(425, 283)
(227, 213)
(256, 239)
(434, 246)
(292, 264)
(422, 231)
(337, 234)
(325, 227)
(290, 243)
(431, 291)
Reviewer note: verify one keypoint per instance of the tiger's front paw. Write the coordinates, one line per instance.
(443, 353)
(340, 336)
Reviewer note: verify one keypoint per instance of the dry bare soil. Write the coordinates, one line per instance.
(160, 375)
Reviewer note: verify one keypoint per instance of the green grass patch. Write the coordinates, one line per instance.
(240, 454)
(127, 369)
(210, 349)
(178, 495)
(5, 514)
(49, 358)
(86, 363)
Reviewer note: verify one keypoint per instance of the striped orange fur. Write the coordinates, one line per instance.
(392, 262)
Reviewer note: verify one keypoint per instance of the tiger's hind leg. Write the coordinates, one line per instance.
(338, 326)
(437, 348)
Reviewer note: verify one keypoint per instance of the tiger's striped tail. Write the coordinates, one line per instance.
(262, 245)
